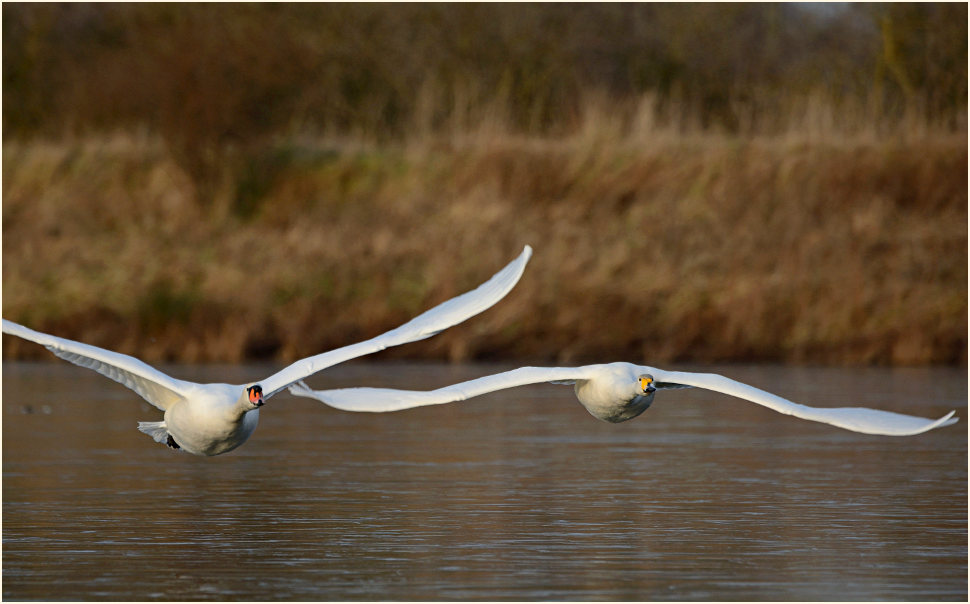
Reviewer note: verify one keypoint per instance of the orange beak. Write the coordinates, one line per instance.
(256, 396)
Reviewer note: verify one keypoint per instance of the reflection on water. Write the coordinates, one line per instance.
(518, 495)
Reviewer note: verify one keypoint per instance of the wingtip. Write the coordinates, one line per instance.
(946, 420)
(527, 251)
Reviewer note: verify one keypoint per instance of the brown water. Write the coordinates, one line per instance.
(519, 495)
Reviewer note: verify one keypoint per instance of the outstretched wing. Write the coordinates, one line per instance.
(154, 386)
(386, 399)
(425, 325)
(857, 419)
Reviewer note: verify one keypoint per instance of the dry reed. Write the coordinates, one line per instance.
(654, 242)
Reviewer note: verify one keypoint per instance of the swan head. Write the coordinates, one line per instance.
(255, 394)
(647, 385)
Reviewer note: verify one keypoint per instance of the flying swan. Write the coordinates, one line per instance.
(210, 419)
(617, 392)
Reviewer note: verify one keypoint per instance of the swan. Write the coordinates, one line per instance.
(211, 419)
(617, 392)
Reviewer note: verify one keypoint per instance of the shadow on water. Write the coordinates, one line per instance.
(520, 495)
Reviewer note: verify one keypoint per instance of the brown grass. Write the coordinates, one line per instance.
(653, 244)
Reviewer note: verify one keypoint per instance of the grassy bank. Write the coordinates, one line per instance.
(650, 247)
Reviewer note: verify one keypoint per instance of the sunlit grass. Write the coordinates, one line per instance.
(828, 238)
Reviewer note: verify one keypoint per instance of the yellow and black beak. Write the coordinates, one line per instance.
(646, 384)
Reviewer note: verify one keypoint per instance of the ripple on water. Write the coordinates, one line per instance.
(515, 497)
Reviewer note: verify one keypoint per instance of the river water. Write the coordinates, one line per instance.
(518, 495)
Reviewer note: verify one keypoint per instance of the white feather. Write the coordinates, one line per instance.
(614, 385)
(857, 419)
(425, 325)
(209, 419)
(154, 386)
(379, 400)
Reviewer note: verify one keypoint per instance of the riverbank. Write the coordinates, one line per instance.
(652, 248)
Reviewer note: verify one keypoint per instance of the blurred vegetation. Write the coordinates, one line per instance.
(714, 181)
(217, 81)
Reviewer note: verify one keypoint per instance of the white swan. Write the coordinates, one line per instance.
(616, 392)
(210, 419)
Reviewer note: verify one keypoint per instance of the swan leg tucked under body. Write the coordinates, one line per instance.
(209, 419)
(617, 392)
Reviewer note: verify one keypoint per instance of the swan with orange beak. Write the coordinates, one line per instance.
(211, 419)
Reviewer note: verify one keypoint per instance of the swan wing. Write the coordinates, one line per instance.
(154, 386)
(377, 400)
(857, 419)
(425, 325)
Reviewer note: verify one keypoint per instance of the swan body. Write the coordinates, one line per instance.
(211, 419)
(213, 422)
(617, 392)
(612, 393)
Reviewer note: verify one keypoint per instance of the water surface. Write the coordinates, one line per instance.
(519, 495)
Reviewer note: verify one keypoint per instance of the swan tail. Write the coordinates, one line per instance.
(159, 432)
